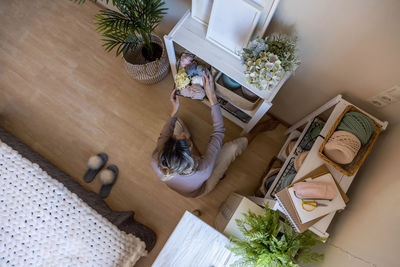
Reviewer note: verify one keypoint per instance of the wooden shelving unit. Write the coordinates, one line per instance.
(334, 108)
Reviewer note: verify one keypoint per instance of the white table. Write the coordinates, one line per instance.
(196, 244)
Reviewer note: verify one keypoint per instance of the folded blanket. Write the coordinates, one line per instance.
(43, 224)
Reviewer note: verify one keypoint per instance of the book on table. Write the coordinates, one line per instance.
(291, 206)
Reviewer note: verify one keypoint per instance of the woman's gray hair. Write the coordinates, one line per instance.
(176, 158)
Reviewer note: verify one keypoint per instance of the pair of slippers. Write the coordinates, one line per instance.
(107, 177)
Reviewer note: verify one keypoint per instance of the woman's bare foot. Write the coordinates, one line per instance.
(261, 127)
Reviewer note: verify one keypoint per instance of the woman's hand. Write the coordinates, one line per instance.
(175, 103)
(209, 87)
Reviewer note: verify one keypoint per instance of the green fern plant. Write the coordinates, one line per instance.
(130, 26)
(268, 242)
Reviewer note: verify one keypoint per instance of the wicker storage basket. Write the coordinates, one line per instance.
(233, 97)
(351, 168)
(147, 72)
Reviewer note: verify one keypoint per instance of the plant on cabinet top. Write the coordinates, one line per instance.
(268, 59)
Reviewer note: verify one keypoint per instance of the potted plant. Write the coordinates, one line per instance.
(130, 32)
(267, 60)
(270, 242)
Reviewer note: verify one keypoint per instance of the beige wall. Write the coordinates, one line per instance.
(176, 9)
(350, 47)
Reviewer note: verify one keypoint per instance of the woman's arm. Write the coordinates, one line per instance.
(215, 143)
(168, 129)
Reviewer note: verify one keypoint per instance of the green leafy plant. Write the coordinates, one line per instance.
(284, 47)
(270, 242)
(131, 25)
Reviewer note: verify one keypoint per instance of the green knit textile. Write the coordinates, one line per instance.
(358, 124)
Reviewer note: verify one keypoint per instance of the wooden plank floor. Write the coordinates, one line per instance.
(61, 94)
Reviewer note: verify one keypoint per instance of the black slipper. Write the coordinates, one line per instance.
(108, 177)
(95, 164)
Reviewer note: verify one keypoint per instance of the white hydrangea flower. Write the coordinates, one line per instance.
(264, 71)
(272, 57)
(269, 65)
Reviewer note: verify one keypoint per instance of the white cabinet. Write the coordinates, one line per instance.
(190, 34)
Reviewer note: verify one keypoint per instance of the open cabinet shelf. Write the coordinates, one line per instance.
(190, 34)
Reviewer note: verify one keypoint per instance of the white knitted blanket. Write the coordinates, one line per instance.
(43, 224)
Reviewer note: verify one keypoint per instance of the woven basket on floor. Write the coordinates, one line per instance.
(351, 168)
(147, 72)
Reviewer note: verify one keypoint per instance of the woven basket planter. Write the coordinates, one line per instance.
(147, 72)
